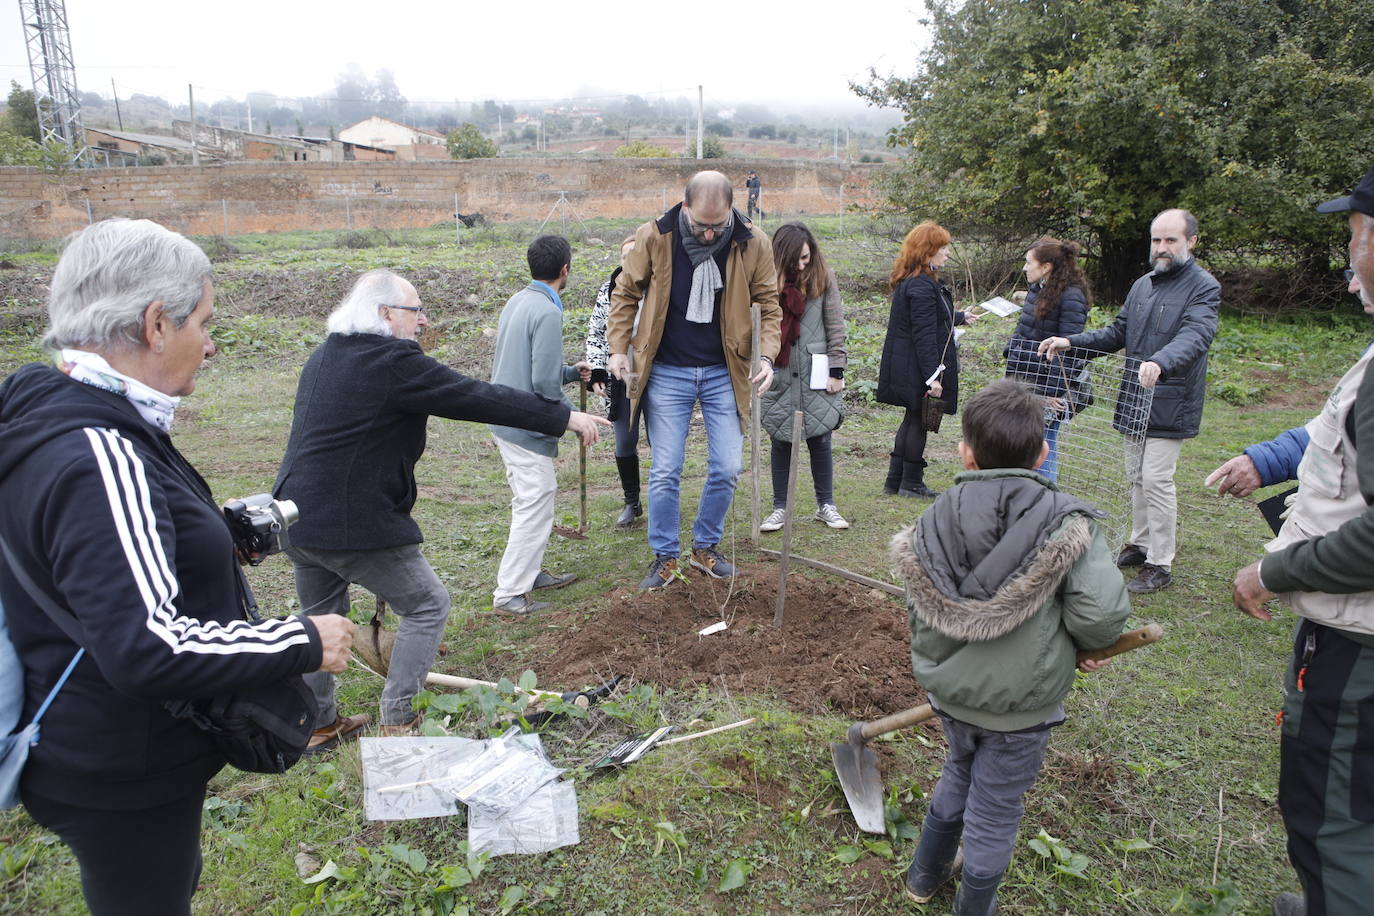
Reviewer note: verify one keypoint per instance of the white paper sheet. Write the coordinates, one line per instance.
(1000, 307)
(820, 370)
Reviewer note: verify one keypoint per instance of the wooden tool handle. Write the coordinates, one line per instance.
(1133, 640)
(860, 732)
(904, 719)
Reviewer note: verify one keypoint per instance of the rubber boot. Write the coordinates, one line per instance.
(913, 480)
(937, 858)
(977, 895)
(894, 475)
(629, 482)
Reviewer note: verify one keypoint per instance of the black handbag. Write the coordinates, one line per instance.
(932, 412)
(259, 729)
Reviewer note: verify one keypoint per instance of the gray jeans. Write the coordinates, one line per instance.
(402, 578)
(984, 781)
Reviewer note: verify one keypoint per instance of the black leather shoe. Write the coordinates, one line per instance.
(628, 515)
(1130, 555)
(920, 491)
(1151, 578)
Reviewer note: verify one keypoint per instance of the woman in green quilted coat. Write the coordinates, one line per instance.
(809, 373)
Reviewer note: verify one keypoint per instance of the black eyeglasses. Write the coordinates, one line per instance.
(717, 228)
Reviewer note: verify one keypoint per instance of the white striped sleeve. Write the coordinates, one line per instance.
(129, 499)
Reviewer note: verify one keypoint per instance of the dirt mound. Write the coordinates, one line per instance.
(843, 648)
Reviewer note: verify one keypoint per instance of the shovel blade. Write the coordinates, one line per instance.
(857, 767)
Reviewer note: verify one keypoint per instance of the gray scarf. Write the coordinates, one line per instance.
(706, 279)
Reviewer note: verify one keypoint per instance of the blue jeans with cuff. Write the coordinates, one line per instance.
(669, 398)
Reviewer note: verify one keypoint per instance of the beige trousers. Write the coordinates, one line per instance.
(1150, 470)
(533, 485)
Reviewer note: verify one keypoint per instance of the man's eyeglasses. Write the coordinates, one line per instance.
(1349, 276)
(698, 228)
(407, 308)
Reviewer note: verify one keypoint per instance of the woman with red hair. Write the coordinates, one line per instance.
(919, 356)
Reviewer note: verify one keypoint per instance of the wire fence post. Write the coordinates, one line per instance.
(90, 215)
(348, 212)
(754, 431)
(224, 207)
(457, 233)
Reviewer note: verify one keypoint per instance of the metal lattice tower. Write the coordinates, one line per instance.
(54, 75)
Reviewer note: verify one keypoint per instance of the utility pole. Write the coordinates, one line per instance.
(115, 92)
(195, 150)
(836, 153)
(248, 99)
(701, 116)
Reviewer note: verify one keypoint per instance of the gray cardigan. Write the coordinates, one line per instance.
(529, 356)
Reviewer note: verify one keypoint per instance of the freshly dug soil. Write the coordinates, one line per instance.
(843, 648)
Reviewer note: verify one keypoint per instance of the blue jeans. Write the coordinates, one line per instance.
(669, 397)
(1051, 466)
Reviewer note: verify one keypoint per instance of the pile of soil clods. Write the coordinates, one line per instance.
(843, 647)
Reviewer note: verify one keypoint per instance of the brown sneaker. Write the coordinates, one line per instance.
(1151, 578)
(662, 571)
(334, 734)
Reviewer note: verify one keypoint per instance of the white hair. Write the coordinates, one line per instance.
(108, 275)
(360, 312)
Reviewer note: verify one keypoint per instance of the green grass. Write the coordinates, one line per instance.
(1164, 777)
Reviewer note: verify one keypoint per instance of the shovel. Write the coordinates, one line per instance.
(580, 532)
(856, 764)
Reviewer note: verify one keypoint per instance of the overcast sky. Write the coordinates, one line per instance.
(764, 52)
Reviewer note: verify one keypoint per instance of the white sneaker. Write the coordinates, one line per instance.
(831, 516)
(774, 520)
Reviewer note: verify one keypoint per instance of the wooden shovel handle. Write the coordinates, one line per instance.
(861, 732)
(1126, 642)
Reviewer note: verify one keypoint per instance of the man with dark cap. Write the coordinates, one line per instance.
(754, 186)
(1319, 565)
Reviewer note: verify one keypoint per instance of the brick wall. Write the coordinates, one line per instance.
(266, 196)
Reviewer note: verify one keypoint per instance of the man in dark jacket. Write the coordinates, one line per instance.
(1167, 324)
(364, 399)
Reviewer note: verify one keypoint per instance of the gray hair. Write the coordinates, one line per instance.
(360, 312)
(108, 275)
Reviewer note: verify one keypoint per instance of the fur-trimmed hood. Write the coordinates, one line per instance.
(986, 556)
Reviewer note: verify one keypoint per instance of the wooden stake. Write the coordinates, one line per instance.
(797, 419)
(709, 731)
(842, 573)
(754, 430)
(582, 463)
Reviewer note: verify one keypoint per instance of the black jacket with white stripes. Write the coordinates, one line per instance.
(108, 517)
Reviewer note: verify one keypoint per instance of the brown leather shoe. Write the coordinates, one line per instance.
(405, 729)
(332, 735)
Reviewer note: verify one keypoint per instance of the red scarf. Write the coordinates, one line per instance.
(793, 307)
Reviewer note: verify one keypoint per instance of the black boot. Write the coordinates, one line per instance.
(937, 858)
(894, 475)
(629, 482)
(913, 480)
(977, 895)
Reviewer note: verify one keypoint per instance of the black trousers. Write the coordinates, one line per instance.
(910, 442)
(133, 863)
(822, 469)
(1326, 769)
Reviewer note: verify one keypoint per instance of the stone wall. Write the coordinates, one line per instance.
(245, 197)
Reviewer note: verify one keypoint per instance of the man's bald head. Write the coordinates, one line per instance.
(709, 190)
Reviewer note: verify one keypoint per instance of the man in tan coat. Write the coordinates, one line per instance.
(691, 278)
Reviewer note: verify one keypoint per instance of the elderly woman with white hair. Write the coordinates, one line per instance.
(111, 527)
(362, 406)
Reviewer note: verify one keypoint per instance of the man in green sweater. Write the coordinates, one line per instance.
(1319, 565)
(529, 356)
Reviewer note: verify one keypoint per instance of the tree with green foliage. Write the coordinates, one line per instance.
(641, 149)
(1084, 118)
(467, 142)
(21, 113)
(17, 150)
(711, 147)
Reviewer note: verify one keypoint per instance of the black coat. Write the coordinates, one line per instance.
(1169, 319)
(362, 406)
(918, 341)
(1067, 317)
